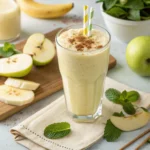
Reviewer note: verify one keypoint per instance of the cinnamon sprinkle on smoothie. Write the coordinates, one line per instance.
(74, 39)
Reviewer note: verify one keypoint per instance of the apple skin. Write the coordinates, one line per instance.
(138, 55)
(18, 74)
(37, 63)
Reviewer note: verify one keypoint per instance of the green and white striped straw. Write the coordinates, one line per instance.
(90, 21)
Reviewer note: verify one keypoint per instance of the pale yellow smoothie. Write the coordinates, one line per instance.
(9, 20)
(83, 63)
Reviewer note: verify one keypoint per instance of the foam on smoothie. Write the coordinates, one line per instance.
(74, 39)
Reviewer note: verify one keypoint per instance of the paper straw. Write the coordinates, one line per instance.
(85, 20)
(90, 21)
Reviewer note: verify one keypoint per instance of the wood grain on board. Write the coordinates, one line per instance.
(48, 76)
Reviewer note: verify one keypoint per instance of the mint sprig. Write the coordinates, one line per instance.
(124, 98)
(8, 50)
(111, 133)
(57, 130)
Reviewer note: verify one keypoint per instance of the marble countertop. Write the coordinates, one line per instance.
(121, 73)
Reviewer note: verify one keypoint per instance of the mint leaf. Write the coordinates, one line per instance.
(8, 46)
(148, 141)
(147, 2)
(133, 96)
(112, 95)
(134, 4)
(6, 53)
(122, 2)
(57, 130)
(146, 110)
(109, 3)
(128, 108)
(134, 14)
(111, 133)
(117, 12)
(8, 50)
(118, 114)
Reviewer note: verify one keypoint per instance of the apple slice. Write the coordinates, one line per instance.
(14, 96)
(131, 122)
(40, 48)
(22, 84)
(17, 65)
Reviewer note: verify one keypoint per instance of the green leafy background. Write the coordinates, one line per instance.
(135, 10)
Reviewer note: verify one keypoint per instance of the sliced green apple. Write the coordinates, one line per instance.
(22, 84)
(14, 96)
(40, 48)
(17, 65)
(130, 123)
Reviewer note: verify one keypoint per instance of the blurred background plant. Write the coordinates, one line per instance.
(135, 10)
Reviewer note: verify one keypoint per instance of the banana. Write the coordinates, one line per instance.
(38, 10)
(22, 84)
(14, 96)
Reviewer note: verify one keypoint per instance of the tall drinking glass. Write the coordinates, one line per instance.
(83, 64)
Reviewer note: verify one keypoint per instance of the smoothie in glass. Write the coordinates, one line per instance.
(83, 63)
(9, 20)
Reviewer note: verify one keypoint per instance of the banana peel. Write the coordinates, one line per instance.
(45, 11)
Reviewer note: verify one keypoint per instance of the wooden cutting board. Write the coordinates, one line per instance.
(48, 76)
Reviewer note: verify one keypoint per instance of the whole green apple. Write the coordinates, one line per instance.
(138, 55)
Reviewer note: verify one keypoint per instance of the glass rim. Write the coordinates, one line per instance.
(69, 27)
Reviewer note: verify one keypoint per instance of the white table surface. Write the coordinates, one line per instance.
(120, 73)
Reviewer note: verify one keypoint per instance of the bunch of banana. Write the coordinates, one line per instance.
(38, 10)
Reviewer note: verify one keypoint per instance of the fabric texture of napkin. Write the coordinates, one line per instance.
(29, 133)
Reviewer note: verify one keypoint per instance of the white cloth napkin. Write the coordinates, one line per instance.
(29, 133)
